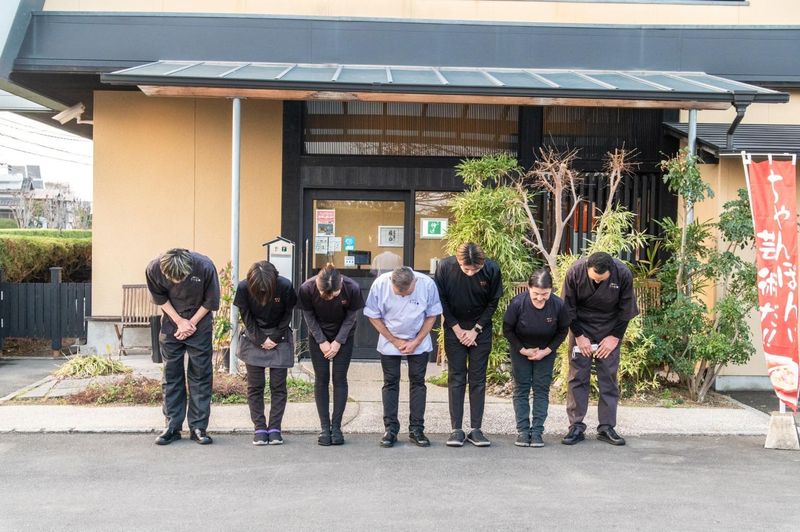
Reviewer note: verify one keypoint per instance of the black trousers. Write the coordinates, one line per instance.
(417, 367)
(467, 366)
(322, 379)
(580, 370)
(536, 375)
(256, 382)
(199, 374)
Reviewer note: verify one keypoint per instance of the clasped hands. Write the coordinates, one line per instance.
(534, 353)
(466, 337)
(185, 329)
(330, 349)
(604, 348)
(406, 347)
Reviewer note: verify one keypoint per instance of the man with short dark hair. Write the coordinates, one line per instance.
(185, 286)
(403, 305)
(598, 294)
(470, 287)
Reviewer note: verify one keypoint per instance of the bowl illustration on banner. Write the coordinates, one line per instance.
(784, 376)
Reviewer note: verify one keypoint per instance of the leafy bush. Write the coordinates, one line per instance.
(25, 258)
(130, 390)
(53, 233)
(82, 367)
(489, 212)
(693, 339)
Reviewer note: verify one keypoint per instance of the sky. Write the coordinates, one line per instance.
(62, 157)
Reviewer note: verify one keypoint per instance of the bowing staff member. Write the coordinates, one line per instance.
(265, 301)
(470, 286)
(535, 323)
(403, 305)
(598, 292)
(330, 303)
(185, 287)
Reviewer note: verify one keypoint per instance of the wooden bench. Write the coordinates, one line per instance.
(137, 308)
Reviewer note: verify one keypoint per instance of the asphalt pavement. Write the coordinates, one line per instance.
(16, 373)
(124, 482)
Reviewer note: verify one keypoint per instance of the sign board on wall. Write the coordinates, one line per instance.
(433, 228)
(325, 222)
(349, 243)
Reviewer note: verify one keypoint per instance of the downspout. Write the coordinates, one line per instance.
(235, 168)
(741, 105)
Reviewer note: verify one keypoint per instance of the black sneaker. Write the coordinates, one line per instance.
(275, 437)
(388, 439)
(574, 436)
(324, 438)
(200, 436)
(168, 436)
(337, 438)
(610, 436)
(260, 438)
(536, 440)
(523, 439)
(418, 437)
(476, 438)
(456, 438)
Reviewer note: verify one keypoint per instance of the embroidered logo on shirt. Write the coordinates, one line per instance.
(549, 319)
(482, 283)
(613, 285)
(277, 300)
(196, 279)
(344, 302)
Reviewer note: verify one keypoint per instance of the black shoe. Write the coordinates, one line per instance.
(200, 436)
(337, 438)
(168, 436)
(418, 437)
(324, 438)
(456, 438)
(536, 440)
(610, 436)
(476, 438)
(260, 438)
(523, 439)
(388, 439)
(275, 437)
(573, 436)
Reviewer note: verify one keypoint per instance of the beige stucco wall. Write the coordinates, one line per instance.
(757, 113)
(622, 12)
(726, 178)
(162, 179)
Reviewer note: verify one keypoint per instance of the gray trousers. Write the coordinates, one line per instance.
(580, 370)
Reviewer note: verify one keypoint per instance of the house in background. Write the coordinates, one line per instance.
(353, 114)
(16, 181)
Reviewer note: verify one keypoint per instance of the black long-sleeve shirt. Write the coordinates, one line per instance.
(199, 289)
(527, 326)
(333, 319)
(275, 315)
(468, 300)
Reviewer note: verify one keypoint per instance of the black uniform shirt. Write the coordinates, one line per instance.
(334, 319)
(527, 326)
(468, 300)
(272, 318)
(599, 310)
(200, 288)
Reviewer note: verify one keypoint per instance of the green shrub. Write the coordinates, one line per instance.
(82, 367)
(27, 259)
(8, 223)
(53, 233)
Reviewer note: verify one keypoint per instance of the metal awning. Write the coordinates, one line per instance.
(524, 86)
(759, 138)
(12, 102)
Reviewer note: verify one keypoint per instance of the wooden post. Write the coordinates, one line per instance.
(55, 302)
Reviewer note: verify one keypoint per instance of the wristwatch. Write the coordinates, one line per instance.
(478, 328)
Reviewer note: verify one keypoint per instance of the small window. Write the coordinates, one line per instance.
(409, 129)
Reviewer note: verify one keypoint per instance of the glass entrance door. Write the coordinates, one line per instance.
(364, 234)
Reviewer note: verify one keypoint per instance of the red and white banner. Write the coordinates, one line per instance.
(771, 185)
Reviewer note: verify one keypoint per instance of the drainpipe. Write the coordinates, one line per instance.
(692, 144)
(235, 167)
(741, 107)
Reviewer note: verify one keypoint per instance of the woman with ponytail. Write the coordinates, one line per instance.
(330, 303)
